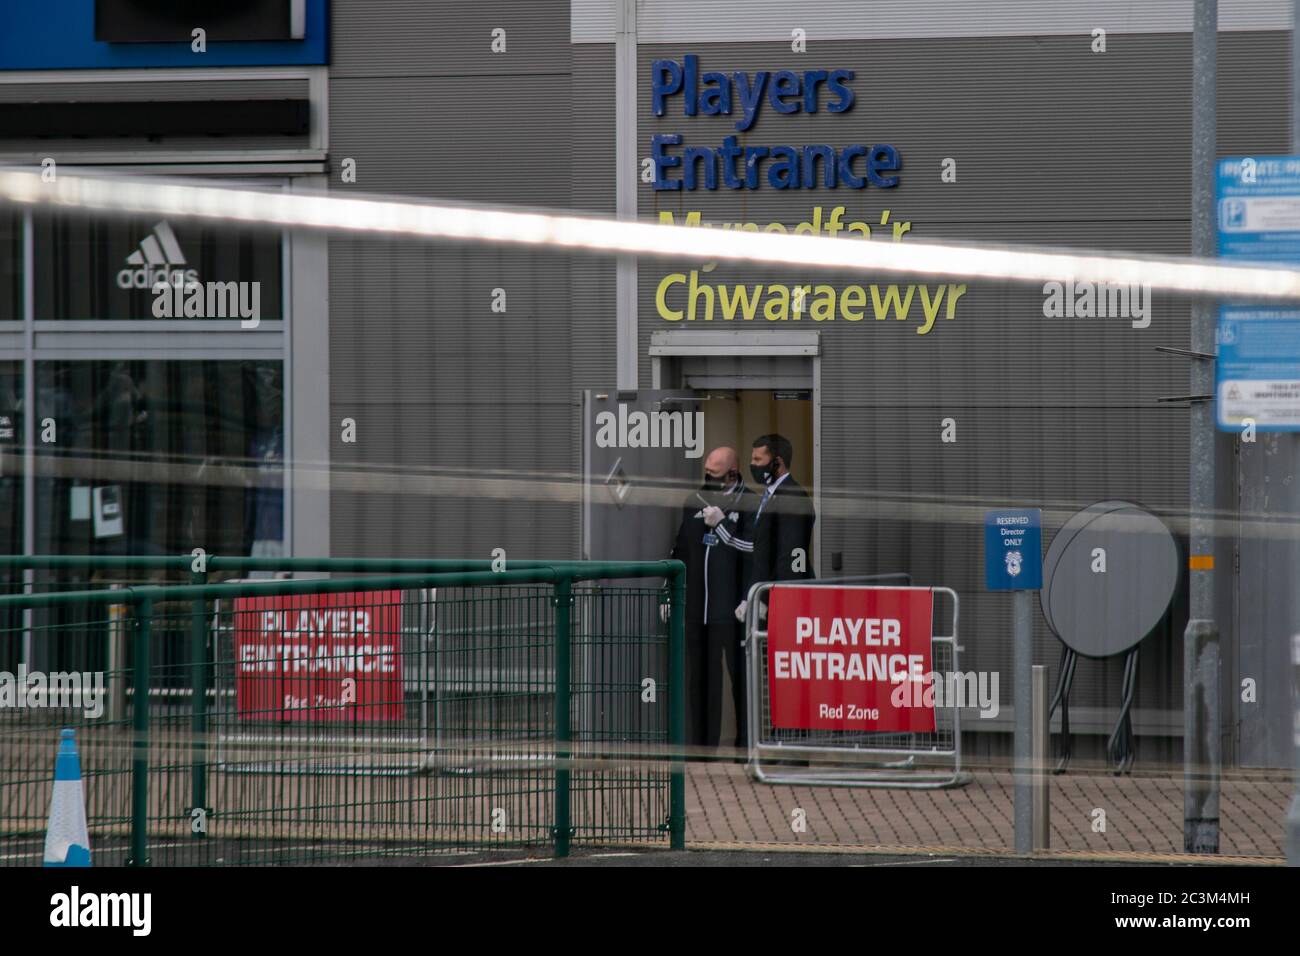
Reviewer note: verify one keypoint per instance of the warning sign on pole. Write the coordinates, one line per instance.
(837, 656)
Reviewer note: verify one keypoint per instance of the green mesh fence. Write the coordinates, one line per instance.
(271, 722)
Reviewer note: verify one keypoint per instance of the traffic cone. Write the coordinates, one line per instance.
(67, 841)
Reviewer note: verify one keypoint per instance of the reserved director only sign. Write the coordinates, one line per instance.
(835, 656)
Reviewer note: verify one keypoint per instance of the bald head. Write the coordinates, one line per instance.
(722, 463)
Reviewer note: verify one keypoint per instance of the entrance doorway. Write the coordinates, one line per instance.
(736, 417)
(754, 383)
(747, 384)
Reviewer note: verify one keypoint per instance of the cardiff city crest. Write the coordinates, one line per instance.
(1013, 563)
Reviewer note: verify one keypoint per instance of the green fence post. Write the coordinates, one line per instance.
(677, 712)
(563, 705)
(140, 736)
(199, 704)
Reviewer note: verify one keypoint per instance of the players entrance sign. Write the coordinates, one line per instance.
(836, 655)
(319, 657)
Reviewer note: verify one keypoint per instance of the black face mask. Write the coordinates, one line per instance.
(764, 474)
(719, 484)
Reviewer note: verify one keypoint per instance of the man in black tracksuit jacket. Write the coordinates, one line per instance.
(778, 536)
(715, 576)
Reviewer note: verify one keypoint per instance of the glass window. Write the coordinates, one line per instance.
(11, 462)
(88, 268)
(11, 266)
(160, 457)
(11, 503)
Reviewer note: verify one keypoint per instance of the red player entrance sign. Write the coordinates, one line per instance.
(836, 655)
(320, 657)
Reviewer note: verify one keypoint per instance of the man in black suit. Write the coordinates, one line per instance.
(715, 578)
(778, 537)
(777, 534)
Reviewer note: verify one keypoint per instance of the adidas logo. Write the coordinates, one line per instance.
(157, 258)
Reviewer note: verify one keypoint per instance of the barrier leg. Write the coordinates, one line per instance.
(563, 706)
(1201, 744)
(1023, 630)
(199, 705)
(1042, 734)
(1293, 812)
(677, 715)
(140, 737)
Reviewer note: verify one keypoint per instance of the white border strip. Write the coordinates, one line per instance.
(731, 21)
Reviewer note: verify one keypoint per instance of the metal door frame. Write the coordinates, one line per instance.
(670, 345)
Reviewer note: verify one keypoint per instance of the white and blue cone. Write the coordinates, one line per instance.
(67, 841)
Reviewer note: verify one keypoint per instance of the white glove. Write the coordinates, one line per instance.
(665, 612)
(712, 516)
(740, 610)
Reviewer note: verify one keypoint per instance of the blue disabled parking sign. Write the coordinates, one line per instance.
(1013, 550)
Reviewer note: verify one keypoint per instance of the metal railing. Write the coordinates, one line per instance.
(904, 760)
(484, 709)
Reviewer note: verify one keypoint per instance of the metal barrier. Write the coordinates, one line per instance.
(850, 758)
(442, 719)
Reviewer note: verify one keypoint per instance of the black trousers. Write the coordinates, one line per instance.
(711, 648)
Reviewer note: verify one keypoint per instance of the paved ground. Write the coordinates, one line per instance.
(731, 818)
(1143, 813)
(708, 857)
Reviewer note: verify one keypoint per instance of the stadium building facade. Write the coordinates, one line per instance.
(412, 400)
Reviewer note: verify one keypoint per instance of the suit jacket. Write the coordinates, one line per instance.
(778, 525)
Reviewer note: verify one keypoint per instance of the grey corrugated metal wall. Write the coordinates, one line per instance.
(436, 381)
(1054, 144)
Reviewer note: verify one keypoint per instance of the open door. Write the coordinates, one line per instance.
(643, 452)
